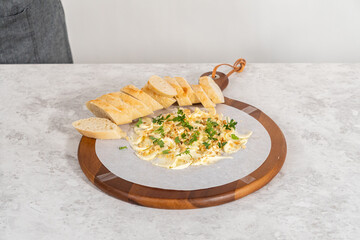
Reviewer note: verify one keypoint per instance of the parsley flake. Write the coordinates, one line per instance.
(167, 151)
(221, 145)
(210, 129)
(139, 122)
(187, 151)
(206, 144)
(230, 125)
(157, 141)
(159, 119)
(161, 131)
(194, 137)
(233, 136)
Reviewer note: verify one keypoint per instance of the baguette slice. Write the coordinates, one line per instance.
(100, 128)
(211, 89)
(181, 97)
(164, 101)
(103, 109)
(204, 99)
(138, 105)
(161, 87)
(187, 89)
(142, 96)
(121, 105)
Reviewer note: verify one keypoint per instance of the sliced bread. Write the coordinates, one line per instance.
(142, 96)
(187, 89)
(161, 87)
(181, 97)
(164, 101)
(103, 109)
(116, 101)
(211, 89)
(138, 105)
(100, 128)
(201, 95)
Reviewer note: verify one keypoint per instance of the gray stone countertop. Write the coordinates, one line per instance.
(45, 195)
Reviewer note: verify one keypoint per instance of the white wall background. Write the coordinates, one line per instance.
(152, 31)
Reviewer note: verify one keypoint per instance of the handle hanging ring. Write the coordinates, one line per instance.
(238, 66)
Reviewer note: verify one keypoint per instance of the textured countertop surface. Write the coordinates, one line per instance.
(45, 195)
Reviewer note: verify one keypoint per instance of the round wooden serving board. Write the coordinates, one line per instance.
(142, 195)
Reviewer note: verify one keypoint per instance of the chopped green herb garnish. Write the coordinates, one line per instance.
(167, 151)
(139, 122)
(161, 131)
(187, 151)
(177, 140)
(180, 111)
(187, 124)
(233, 136)
(181, 119)
(221, 145)
(123, 147)
(194, 137)
(206, 144)
(160, 143)
(160, 119)
(157, 141)
(214, 124)
(178, 118)
(230, 125)
(183, 135)
(210, 129)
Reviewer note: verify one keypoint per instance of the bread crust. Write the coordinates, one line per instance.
(187, 89)
(161, 87)
(116, 101)
(138, 105)
(102, 109)
(114, 132)
(204, 99)
(164, 101)
(211, 89)
(181, 97)
(142, 96)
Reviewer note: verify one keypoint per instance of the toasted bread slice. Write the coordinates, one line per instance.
(161, 87)
(142, 96)
(138, 105)
(100, 128)
(102, 109)
(211, 89)
(164, 101)
(204, 99)
(187, 89)
(116, 101)
(181, 97)
(135, 113)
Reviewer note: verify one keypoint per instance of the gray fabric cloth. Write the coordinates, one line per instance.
(33, 31)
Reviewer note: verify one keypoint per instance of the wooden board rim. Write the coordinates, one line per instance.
(142, 195)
